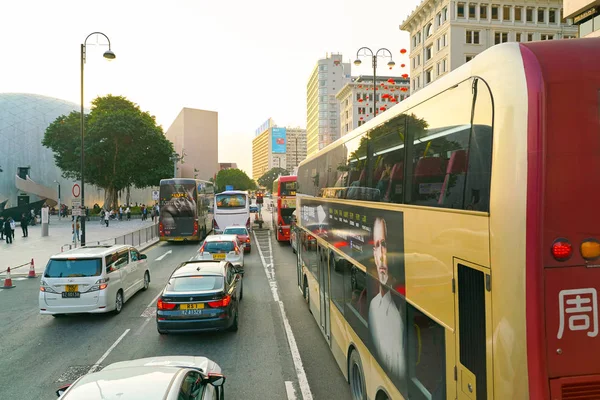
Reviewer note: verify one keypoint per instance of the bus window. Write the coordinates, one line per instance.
(231, 201)
(356, 308)
(287, 188)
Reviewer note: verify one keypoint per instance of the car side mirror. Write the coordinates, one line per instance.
(216, 380)
(62, 390)
(143, 256)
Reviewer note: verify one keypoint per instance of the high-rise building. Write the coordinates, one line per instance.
(585, 14)
(329, 75)
(228, 165)
(446, 34)
(195, 137)
(296, 147)
(356, 99)
(269, 148)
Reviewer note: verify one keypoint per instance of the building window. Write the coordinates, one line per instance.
(444, 65)
(323, 67)
(547, 37)
(361, 110)
(472, 37)
(541, 14)
(460, 10)
(445, 40)
(500, 37)
(333, 123)
(569, 37)
(529, 14)
(438, 19)
(483, 11)
(428, 30)
(495, 12)
(418, 37)
(445, 14)
(518, 37)
(428, 76)
(428, 53)
(552, 16)
(506, 13)
(322, 83)
(530, 37)
(438, 43)
(518, 14)
(472, 10)
(469, 58)
(322, 90)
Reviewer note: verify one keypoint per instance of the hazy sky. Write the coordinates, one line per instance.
(247, 60)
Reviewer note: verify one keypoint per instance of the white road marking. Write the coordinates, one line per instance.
(111, 348)
(300, 373)
(164, 255)
(141, 328)
(291, 392)
(153, 301)
(1, 290)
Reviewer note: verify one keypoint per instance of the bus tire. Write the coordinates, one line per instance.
(356, 377)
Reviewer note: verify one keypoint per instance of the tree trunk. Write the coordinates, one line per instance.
(110, 198)
(128, 196)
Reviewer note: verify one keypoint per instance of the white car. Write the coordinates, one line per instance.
(222, 248)
(92, 279)
(154, 378)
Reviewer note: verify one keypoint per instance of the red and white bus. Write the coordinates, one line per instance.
(284, 204)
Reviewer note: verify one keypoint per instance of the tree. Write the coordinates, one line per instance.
(269, 177)
(124, 147)
(236, 178)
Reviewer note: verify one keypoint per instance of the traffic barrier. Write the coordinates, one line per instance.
(31, 270)
(8, 280)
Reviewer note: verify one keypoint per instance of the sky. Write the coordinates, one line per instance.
(247, 60)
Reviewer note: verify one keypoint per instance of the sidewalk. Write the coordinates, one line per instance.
(22, 250)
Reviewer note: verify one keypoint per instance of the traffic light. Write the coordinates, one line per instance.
(259, 198)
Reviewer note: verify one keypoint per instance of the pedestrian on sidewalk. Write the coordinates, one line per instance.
(120, 213)
(76, 227)
(128, 212)
(13, 225)
(1, 228)
(7, 230)
(24, 223)
(106, 218)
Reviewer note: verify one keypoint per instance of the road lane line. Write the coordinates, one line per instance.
(300, 373)
(291, 392)
(141, 328)
(164, 255)
(153, 301)
(111, 348)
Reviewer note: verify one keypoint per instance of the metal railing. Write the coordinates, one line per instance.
(134, 238)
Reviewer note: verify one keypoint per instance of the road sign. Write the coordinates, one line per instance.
(155, 195)
(76, 207)
(228, 187)
(76, 190)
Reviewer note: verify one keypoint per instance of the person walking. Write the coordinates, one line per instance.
(102, 214)
(106, 217)
(13, 225)
(24, 223)
(128, 212)
(76, 226)
(1, 228)
(7, 230)
(120, 213)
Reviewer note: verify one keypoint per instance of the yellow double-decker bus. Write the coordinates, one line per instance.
(448, 248)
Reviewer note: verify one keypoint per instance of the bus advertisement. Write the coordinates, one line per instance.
(186, 209)
(284, 205)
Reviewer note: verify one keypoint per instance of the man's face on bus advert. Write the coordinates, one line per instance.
(380, 250)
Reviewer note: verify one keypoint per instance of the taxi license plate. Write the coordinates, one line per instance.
(218, 256)
(196, 306)
(71, 288)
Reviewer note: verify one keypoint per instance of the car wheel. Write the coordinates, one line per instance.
(146, 281)
(119, 302)
(356, 377)
(234, 327)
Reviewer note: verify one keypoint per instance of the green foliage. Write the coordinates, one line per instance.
(235, 177)
(123, 146)
(269, 177)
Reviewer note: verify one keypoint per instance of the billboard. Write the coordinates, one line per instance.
(278, 140)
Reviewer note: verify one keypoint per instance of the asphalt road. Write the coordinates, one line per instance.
(39, 353)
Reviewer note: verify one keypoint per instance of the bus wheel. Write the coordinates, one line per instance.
(306, 293)
(356, 377)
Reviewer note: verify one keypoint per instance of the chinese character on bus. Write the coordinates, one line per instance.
(579, 307)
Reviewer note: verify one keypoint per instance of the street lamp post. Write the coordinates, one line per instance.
(390, 64)
(59, 203)
(109, 55)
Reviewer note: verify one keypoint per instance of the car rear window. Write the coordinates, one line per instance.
(73, 268)
(218, 246)
(195, 283)
(235, 231)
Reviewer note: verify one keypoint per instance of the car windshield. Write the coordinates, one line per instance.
(73, 268)
(195, 283)
(219, 246)
(231, 200)
(235, 231)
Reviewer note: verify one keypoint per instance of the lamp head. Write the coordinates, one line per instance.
(357, 62)
(109, 55)
(391, 64)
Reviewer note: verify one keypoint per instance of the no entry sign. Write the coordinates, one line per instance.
(76, 190)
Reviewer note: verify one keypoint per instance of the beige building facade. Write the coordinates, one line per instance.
(260, 154)
(585, 15)
(296, 147)
(195, 137)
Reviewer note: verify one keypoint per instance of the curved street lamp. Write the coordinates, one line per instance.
(109, 55)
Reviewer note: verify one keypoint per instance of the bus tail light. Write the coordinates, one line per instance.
(195, 228)
(161, 229)
(162, 305)
(224, 302)
(562, 249)
(590, 249)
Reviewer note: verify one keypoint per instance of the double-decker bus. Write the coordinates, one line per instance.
(186, 209)
(449, 248)
(232, 207)
(284, 205)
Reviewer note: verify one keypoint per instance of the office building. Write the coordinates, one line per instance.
(585, 15)
(356, 99)
(446, 34)
(269, 148)
(328, 76)
(223, 166)
(296, 147)
(195, 137)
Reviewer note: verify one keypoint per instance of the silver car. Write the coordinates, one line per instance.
(164, 378)
(222, 248)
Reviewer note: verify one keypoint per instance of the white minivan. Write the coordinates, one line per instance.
(92, 279)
